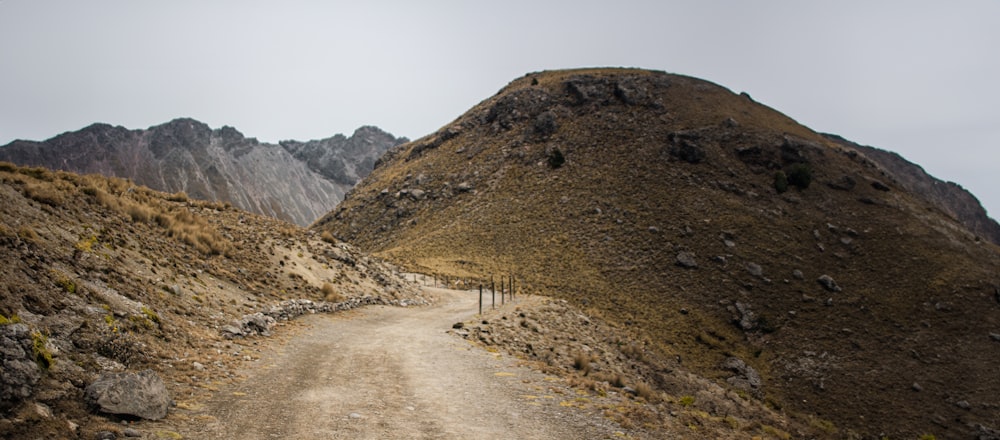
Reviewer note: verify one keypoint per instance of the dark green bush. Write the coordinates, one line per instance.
(800, 176)
(556, 158)
(780, 182)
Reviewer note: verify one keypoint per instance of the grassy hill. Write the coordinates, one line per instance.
(105, 275)
(707, 226)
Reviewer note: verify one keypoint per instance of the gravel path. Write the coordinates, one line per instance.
(393, 373)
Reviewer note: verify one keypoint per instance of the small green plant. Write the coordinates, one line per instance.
(150, 314)
(928, 437)
(686, 401)
(780, 181)
(86, 244)
(14, 319)
(43, 356)
(63, 281)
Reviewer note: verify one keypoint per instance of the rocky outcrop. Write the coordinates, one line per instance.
(296, 181)
(949, 197)
(344, 160)
(20, 373)
(140, 394)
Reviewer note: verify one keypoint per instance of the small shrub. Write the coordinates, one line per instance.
(645, 391)
(28, 234)
(138, 213)
(63, 281)
(86, 244)
(928, 437)
(42, 354)
(581, 362)
(800, 176)
(178, 197)
(780, 182)
(328, 237)
(150, 314)
(44, 193)
(556, 158)
(330, 294)
(14, 319)
(7, 167)
(686, 401)
(36, 172)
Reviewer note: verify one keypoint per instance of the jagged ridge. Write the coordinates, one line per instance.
(293, 181)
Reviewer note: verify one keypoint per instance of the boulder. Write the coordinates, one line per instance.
(747, 378)
(140, 394)
(828, 283)
(686, 260)
(20, 372)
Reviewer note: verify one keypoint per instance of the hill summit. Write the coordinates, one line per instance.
(718, 233)
(293, 181)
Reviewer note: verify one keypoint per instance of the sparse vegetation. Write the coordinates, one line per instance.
(28, 234)
(44, 193)
(14, 319)
(39, 345)
(63, 281)
(686, 401)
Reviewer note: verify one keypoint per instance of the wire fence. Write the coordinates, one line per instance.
(507, 283)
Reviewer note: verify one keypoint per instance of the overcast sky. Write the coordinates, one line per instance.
(916, 77)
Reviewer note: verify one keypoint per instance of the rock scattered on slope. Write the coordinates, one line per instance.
(828, 283)
(140, 394)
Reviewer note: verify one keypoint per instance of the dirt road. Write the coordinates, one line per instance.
(394, 373)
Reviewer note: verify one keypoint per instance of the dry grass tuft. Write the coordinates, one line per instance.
(44, 193)
(330, 294)
(581, 362)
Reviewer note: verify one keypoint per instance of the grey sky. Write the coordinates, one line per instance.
(916, 77)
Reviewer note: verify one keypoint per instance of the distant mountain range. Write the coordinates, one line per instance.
(293, 181)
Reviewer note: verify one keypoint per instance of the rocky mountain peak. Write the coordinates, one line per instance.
(737, 244)
(186, 155)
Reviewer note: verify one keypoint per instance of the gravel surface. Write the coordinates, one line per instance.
(391, 373)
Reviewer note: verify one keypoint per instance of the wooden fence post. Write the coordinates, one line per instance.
(480, 299)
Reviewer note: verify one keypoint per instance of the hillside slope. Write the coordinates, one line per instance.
(101, 275)
(710, 227)
(950, 197)
(294, 181)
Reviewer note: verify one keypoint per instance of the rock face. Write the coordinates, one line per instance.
(20, 373)
(950, 197)
(293, 181)
(140, 394)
